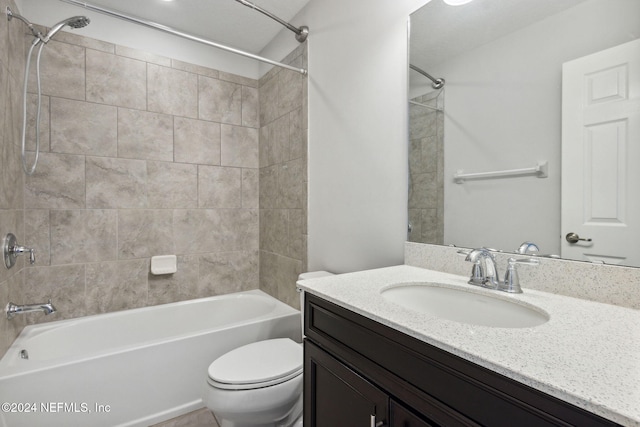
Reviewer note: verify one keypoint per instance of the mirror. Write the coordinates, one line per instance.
(500, 109)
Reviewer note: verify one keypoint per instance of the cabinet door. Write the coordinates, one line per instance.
(402, 417)
(336, 396)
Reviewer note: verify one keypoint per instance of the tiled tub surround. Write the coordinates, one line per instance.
(283, 178)
(426, 169)
(586, 354)
(12, 62)
(143, 155)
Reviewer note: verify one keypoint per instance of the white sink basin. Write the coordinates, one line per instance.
(463, 306)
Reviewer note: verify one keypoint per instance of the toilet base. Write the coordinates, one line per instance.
(297, 423)
(292, 419)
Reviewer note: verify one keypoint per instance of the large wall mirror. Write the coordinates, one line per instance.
(539, 116)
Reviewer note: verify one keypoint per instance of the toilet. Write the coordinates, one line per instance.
(258, 384)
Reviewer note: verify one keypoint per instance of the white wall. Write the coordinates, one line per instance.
(502, 111)
(357, 132)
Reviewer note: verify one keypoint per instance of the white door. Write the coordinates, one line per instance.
(601, 156)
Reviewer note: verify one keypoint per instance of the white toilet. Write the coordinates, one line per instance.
(258, 384)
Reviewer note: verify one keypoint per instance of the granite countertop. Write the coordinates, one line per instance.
(587, 354)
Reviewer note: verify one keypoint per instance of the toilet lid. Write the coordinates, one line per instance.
(258, 364)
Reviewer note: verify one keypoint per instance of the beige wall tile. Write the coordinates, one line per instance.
(250, 188)
(226, 230)
(193, 68)
(274, 230)
(240, 146)
(268, 190)
(219, 187)
(11, 175)
(289, 90)
(143, 233)
(297, 135)
(226, 272)
(79, 127)
(172, 91)
(268, 101)
(78, 40)
(81, 236)
(241, 80)
(181, 285)
(219, 101)
(290, 183)
(32, 106)
(63, 284)
(58, 183)
(274, 142)
(144, 135)
(172, 185)
(37, 234)
(116, 183)
(250, 106)
(113, 286)
(62, 71)
(196, 141)
(115, 80)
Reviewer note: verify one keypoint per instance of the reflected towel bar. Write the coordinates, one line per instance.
(541, 170)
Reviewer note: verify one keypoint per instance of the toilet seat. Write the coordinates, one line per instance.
(257, 365)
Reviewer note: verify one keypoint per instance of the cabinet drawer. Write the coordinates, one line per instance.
(415, 369)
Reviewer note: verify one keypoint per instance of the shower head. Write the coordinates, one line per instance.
(11, 15)
(74, 22)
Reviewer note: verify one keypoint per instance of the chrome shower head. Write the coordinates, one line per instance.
(74, 22)
(11, 15)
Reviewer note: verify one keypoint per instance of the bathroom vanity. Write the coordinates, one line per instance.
(370, 362)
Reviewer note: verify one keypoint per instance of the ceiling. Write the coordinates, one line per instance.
(440, 31)
(223, 21)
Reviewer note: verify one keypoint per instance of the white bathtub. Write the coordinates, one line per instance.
(134, 367)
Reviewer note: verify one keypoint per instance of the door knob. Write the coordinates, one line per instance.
(574, 238)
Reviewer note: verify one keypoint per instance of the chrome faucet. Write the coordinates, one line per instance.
(13, 309)
(528, 248)
(11, 249)
(485, 270)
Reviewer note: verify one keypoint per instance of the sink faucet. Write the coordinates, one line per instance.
(528, 248)
(485, 270)
(13, 309)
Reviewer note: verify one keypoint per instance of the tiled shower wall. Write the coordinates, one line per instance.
(426, 169)
(283, 178)
(143, 155)
(11, 175)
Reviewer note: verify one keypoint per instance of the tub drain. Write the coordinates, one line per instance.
(24, 354)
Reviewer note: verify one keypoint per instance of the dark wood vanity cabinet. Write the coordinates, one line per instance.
(359, 372)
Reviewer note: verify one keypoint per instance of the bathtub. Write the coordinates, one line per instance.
(134, 367)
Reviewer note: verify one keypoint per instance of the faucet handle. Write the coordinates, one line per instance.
(11, 250)
(511, 282)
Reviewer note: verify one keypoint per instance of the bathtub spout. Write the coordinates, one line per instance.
(13, 309)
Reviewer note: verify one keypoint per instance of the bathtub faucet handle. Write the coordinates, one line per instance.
(12, 249)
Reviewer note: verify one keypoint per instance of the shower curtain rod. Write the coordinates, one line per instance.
(301, 33)
(166, 29)
(437, 83)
